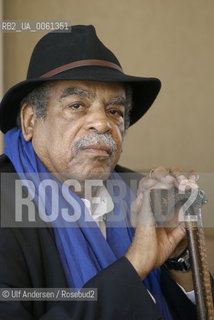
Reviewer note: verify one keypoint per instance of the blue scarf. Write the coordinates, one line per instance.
(82, 247)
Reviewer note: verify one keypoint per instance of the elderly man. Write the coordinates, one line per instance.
(66, 123)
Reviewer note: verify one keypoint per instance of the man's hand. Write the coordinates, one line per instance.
(152, 244)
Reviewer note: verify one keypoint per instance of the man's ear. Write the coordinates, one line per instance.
(27, 121)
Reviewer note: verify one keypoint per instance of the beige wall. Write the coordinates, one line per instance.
(169, 39)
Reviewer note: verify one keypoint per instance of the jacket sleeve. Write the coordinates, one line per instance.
(121, 294)
(180, 305)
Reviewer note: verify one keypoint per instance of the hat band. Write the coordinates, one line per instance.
(82, 63)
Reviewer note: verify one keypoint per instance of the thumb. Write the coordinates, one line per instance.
(176, 235)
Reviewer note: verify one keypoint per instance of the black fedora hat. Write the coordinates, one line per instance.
(75, 55)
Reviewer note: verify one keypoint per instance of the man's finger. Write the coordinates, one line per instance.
(145, 184)
(145, 216)
(137, 203)
(193, 176)
(159, 173)
(178, 173)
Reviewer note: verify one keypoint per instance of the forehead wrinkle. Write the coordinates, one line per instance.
(76, 91)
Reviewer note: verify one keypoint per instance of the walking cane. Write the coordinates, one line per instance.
(192, 201)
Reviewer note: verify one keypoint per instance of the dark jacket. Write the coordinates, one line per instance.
(29, 259)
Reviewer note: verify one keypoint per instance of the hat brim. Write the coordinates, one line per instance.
(145, 90)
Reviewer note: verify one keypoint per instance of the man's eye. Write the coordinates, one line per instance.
(76, 106)
(116, 112)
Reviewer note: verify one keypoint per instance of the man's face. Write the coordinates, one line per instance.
(82, 133)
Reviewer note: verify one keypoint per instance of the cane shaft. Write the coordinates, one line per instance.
(200, 273)
(163, 203)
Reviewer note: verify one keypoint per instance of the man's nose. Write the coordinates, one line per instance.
(98, 121)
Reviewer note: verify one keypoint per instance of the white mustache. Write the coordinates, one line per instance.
(95, 138)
